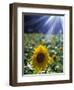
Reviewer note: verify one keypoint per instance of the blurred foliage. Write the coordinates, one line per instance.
(54, 43)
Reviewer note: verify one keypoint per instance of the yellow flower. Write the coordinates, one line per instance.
(40, 58)
(55, 57)
(61, 48)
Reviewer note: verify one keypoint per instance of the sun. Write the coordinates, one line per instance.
(40, 58)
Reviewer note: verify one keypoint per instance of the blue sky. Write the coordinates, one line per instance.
(45, 24)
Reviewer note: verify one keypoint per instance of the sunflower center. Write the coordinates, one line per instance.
(40, 57)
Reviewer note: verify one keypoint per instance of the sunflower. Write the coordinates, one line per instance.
(61, 48)
(54, 57)
(40, 58)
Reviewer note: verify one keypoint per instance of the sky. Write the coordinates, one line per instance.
(46, 24)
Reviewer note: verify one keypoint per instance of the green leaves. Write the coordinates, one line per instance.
(27, 70)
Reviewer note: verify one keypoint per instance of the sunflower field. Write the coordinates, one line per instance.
(43, 54)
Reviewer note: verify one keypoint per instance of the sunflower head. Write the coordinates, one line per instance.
(40, 58)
